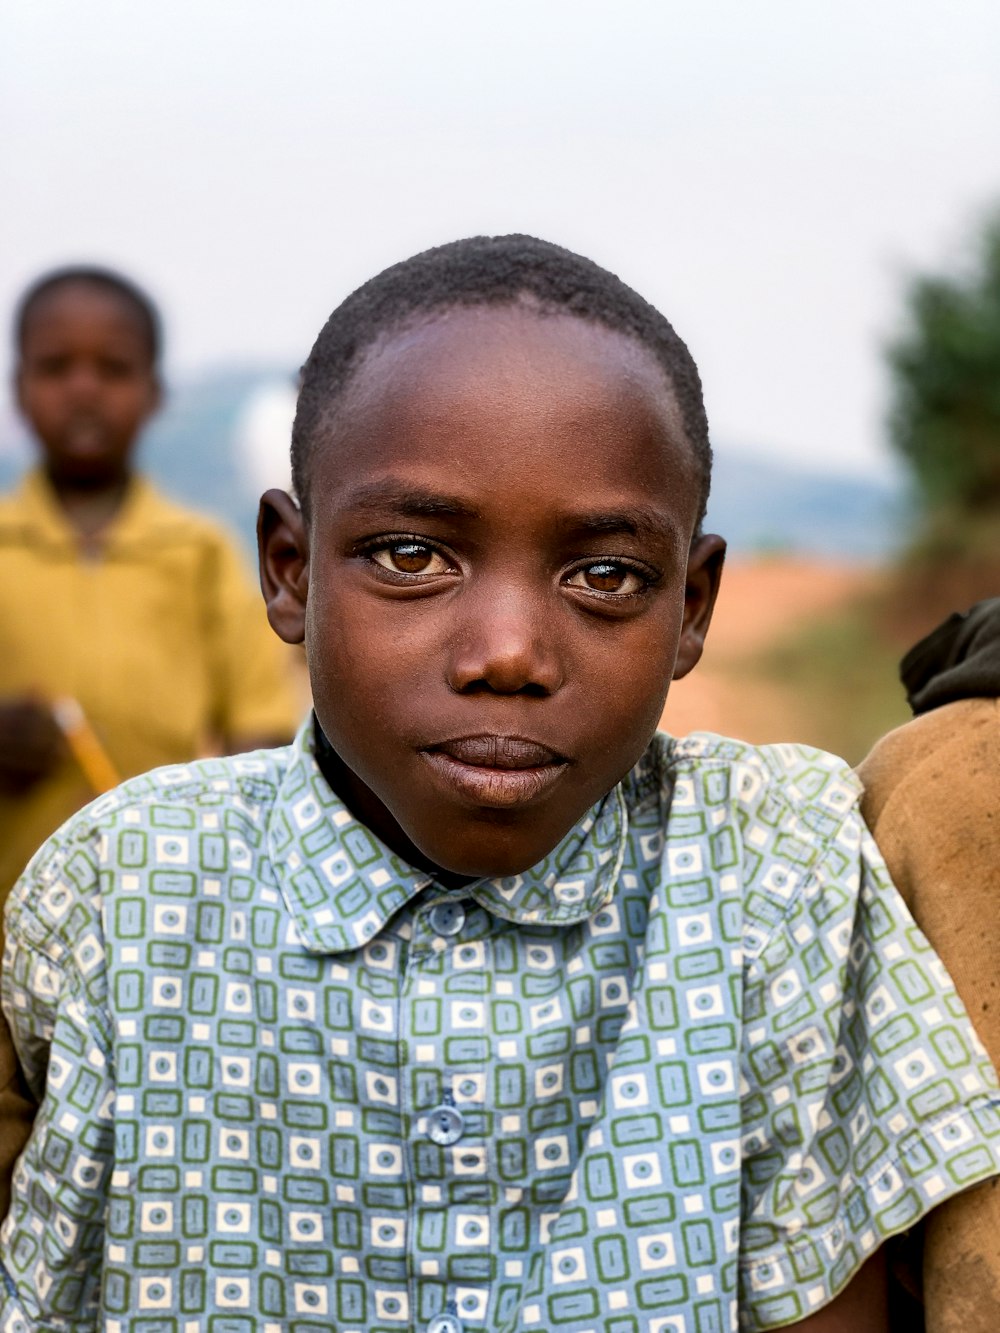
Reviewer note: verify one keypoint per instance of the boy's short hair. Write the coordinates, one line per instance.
(105, 280)
(490, 270)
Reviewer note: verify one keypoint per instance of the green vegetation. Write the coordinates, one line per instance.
(944, 423)
(945, 418)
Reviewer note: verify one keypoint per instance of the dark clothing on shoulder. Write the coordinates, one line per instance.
(958, 660)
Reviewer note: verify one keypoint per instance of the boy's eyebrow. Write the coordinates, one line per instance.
(644, 522)
(404, 498)
(641, 521)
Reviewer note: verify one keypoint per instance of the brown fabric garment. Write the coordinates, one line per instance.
(17, 1113)
(932, 800)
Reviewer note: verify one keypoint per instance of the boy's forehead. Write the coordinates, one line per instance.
(79, 300)
(511, 341)
(515, 365)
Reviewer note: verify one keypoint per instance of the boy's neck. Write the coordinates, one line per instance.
(89, 507)
(365, 806)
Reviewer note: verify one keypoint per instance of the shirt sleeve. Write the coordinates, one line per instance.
(54, 997)
(867, 1097)
(254, 693)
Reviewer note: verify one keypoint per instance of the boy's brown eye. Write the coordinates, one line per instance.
(51, 365)
(115, 370)
(607, 576)
(410, 558)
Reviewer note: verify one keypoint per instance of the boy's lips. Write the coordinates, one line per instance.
(84, 434)
(497, 771)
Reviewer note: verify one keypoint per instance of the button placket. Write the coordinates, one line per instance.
(454, 1218)
(472, 1221)
(435, 1122)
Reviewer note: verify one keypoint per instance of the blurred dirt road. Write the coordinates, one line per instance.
(761, 602)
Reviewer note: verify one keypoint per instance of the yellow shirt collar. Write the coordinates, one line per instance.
(34, 511)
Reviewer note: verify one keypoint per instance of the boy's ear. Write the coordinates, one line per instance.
(157, 394)
(17, 388)
(283, 551)
(704, 573)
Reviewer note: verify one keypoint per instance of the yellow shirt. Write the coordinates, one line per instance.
(161, 639)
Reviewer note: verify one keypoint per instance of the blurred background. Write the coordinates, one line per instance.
(809, 191)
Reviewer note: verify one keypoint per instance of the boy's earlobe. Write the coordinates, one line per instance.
(283, 551)
(704, 573)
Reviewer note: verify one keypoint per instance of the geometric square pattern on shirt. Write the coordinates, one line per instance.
(686, 1074)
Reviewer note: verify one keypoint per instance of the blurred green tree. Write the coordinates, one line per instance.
(945, 414)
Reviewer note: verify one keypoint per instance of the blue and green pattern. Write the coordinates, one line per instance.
(683, 1077)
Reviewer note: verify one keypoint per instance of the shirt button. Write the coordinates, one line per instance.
(447, 918)
(445, 1323)
(447, 1126)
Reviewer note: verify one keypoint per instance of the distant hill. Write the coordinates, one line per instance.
(758, 505)
(198, 450)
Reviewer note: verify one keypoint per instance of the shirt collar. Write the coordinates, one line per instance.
(35, 512)
(341, 884)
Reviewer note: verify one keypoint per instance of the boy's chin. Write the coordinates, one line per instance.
(86, 473)
(491, 852)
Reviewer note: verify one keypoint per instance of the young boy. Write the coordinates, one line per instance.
(137, 610)
(481, 1007)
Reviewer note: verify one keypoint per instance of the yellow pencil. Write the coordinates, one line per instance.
(84, 745)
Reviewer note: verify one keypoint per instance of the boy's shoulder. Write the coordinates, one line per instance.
(132, 826)
(176, 792)
(154, 514)
(21, 504)
(251, 777)
(777, 825)
(706, 770)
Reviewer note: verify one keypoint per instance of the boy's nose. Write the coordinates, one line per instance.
(84, 385)
(505, 644)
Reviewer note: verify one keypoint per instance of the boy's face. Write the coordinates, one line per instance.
(498, 580)
(85, 383)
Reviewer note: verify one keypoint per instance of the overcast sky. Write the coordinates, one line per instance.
(767, 173)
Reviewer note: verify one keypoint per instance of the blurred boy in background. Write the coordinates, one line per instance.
(130, 633)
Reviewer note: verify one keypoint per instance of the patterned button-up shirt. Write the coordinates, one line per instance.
(681, 1077)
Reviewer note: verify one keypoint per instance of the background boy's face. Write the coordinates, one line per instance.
(500, 577)
(85, 382)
